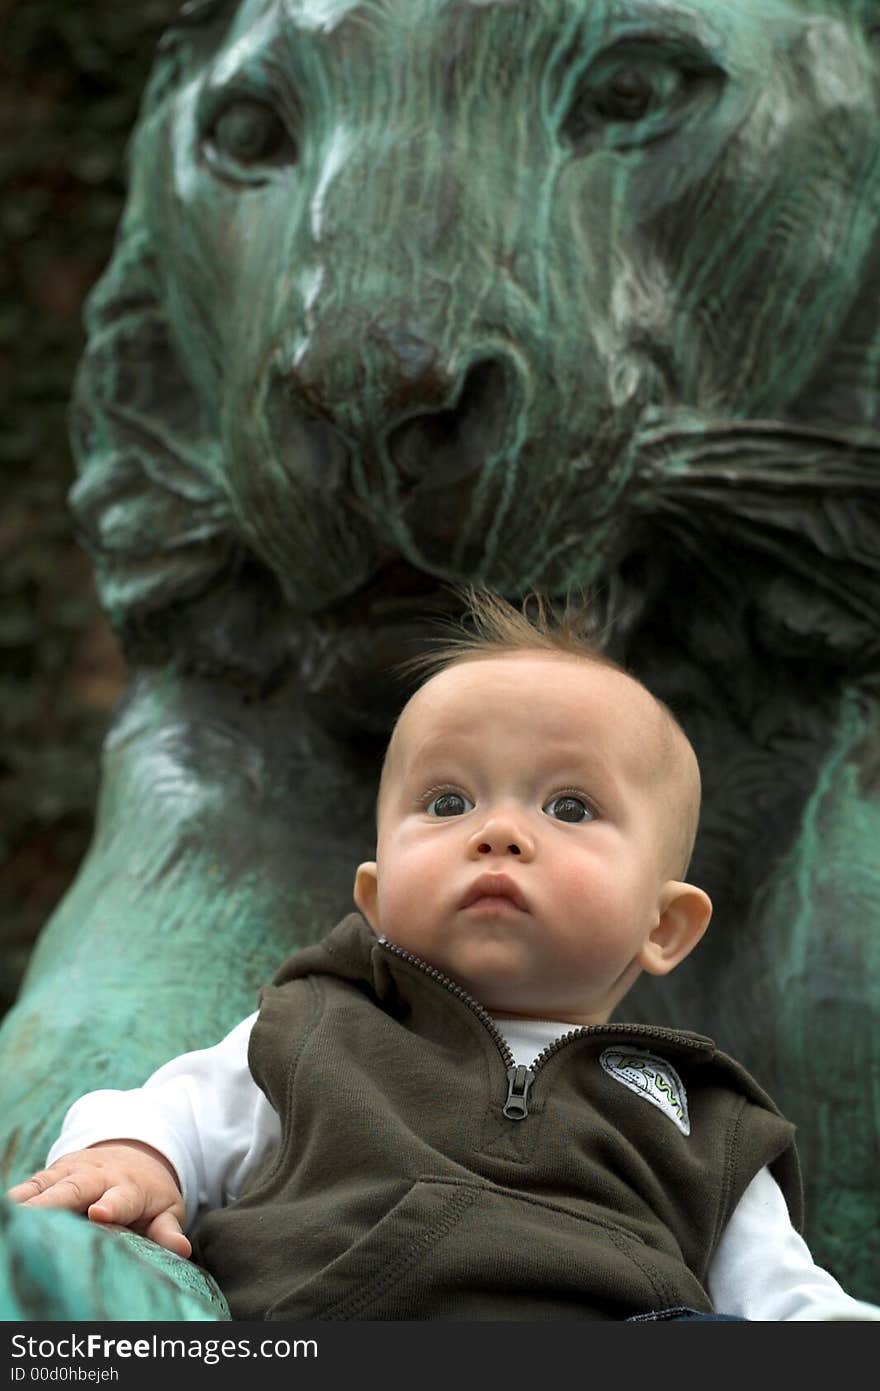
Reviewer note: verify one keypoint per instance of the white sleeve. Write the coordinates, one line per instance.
(203, 1111)
(762, 1269)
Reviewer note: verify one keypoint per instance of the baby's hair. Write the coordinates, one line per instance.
(491, 626)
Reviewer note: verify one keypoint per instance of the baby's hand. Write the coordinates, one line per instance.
(117, 1181)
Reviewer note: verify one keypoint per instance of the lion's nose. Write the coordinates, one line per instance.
(443, 443)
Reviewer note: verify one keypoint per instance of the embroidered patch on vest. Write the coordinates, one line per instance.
(651, 1077)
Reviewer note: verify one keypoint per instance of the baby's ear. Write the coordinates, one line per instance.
(685, 911)
(366, 892)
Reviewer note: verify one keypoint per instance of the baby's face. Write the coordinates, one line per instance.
(551, 776)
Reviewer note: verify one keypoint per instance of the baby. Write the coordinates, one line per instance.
(432, 1115)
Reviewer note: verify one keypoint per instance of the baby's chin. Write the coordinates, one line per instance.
(497, 969)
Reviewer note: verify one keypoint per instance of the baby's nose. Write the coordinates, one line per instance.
(502, 835)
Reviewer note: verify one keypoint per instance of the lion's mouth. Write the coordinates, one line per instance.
(396, 592)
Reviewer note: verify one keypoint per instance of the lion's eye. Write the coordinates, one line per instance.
(632, 95)
(248, 131)
(246, 139)
(627, 96)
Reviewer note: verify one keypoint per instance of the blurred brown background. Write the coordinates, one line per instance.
(71, 76)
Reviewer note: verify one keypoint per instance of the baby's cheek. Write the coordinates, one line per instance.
(405, 894)
(601, 907)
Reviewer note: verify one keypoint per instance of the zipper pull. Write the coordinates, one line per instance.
(519, 1079)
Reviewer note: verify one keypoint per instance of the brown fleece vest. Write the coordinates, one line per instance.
(421, 1176)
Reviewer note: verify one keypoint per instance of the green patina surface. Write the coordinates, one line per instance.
(58, 1267)
(547, 294)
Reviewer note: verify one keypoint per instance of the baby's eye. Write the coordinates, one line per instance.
(448, 804)
(567, 807)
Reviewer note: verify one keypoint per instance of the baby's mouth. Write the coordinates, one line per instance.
(494, 891)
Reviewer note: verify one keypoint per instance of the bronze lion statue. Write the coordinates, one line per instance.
(576, 294)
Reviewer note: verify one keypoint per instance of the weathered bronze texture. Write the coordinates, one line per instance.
(558, 294)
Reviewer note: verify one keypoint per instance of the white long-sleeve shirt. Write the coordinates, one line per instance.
(206, 1114)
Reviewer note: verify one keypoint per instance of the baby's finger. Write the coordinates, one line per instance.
(28, 1188)
(120, 1203)
(166, 1231)
(58, 1189)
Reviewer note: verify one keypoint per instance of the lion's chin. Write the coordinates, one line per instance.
(352, 648)
(395, 592)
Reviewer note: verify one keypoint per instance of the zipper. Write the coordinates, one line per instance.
(460, 994)
(519, 1077)
(636, 1030)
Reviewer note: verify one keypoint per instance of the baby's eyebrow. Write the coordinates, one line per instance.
(564, 752)
(436, 764)
(441, 747)
(561, 761)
